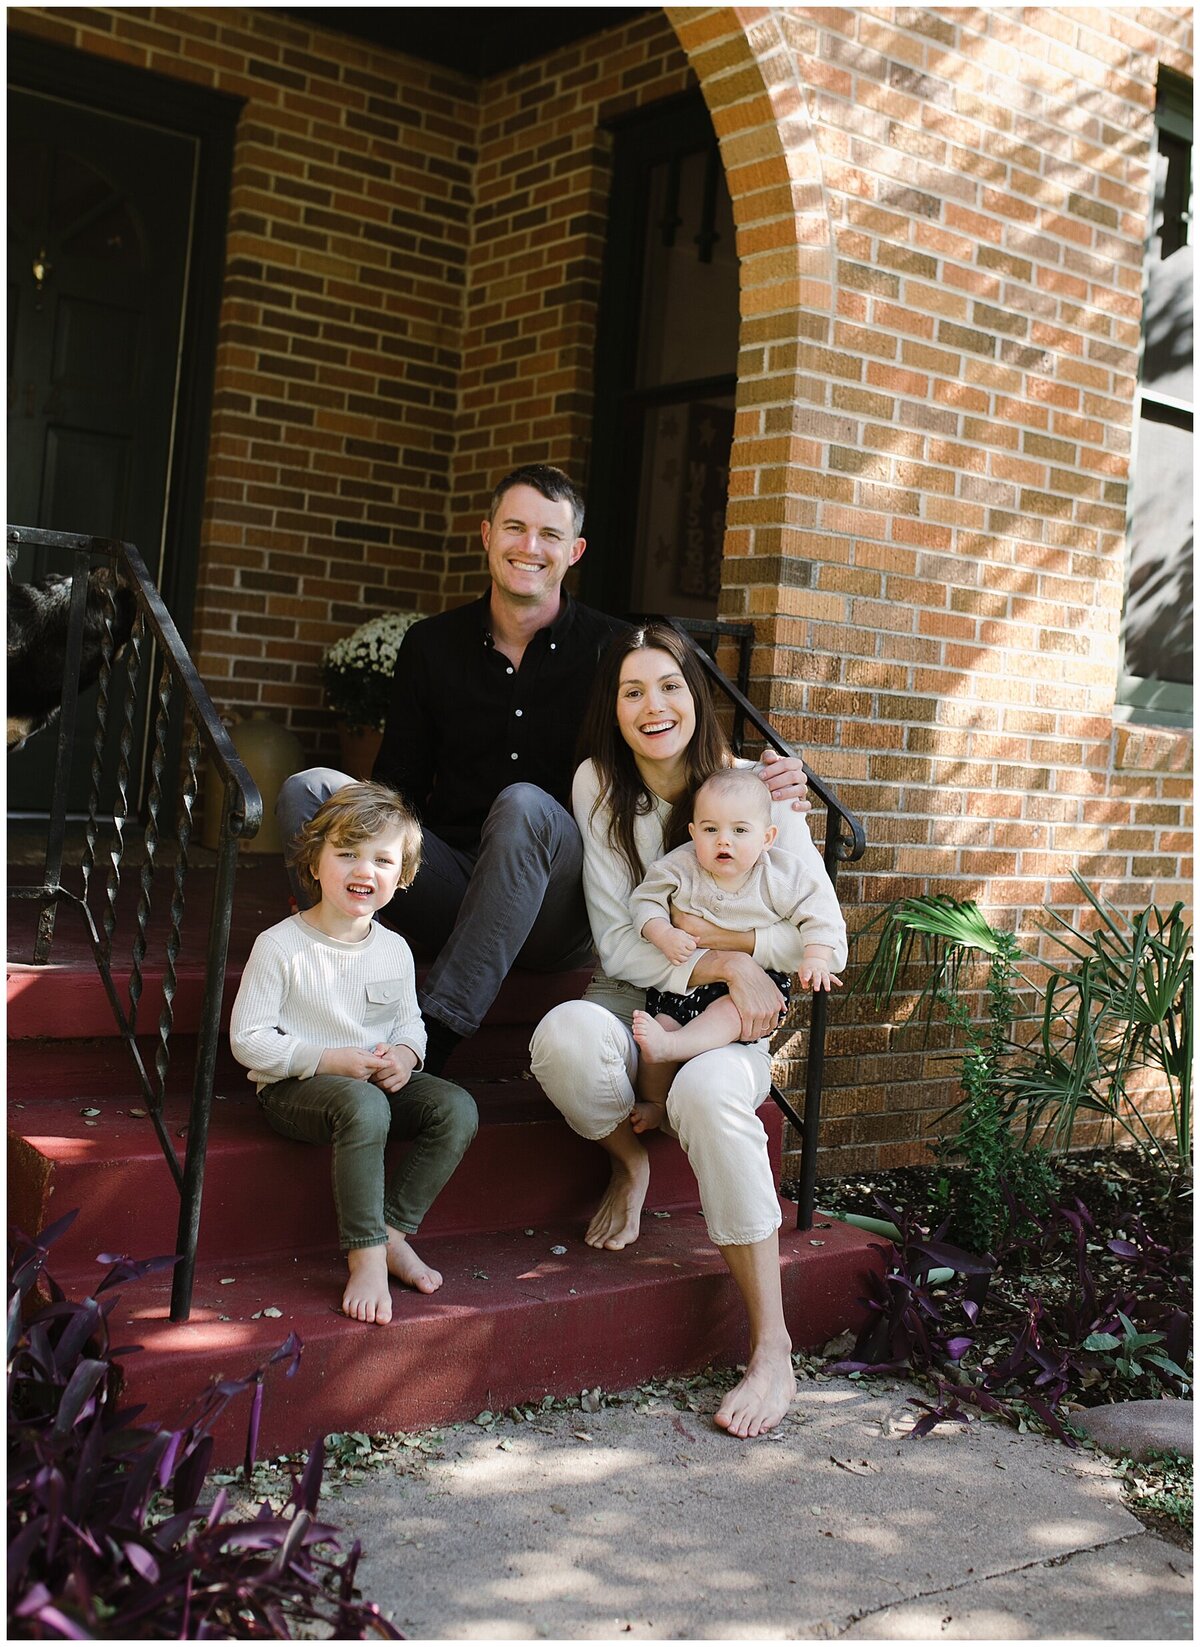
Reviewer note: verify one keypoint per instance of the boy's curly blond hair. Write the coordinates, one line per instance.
(357, 812)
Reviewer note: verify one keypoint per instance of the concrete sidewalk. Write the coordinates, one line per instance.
(644, 1522)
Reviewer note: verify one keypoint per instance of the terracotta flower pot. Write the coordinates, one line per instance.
(359, 745)
(270, 753)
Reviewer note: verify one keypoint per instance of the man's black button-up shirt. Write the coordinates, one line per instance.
(463, 722)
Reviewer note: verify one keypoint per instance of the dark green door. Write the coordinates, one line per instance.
(99, 221)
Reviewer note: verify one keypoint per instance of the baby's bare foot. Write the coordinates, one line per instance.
(403, 1263)
(618, 1218)
(654, 1042)
(647, 1116)
(762, 1398)
(367, 1297)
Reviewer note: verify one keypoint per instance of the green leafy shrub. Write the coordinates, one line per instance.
(1120, 1004)
(947, 935)
(1132, 1354)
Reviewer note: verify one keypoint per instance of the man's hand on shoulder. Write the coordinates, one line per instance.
(784, 777)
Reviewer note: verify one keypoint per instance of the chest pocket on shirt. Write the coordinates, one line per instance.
(383, 1005)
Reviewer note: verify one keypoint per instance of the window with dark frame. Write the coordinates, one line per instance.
(1156, 678)
(666, 369)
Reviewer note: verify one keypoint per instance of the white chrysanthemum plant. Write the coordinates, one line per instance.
(357, 670)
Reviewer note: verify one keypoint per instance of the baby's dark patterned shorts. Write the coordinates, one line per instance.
(683, 1008)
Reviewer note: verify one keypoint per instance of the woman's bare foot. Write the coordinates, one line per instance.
(618, 1219)
(403, 1263)
(762, 1398)
(654, 1042)
(367, 1297)
(645, 1116)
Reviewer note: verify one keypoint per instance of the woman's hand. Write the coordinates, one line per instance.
(708, 936)
(750, 990)
(784, 777)
(755, 996)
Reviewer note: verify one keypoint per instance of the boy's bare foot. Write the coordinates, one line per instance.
(762, 1398)
(403, 1263)
(654, 1042)
(367, 1297)
(646, 1116)
(618, 1219)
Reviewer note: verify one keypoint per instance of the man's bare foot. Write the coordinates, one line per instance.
(654, 1042)
(618, 1219)
(762, 1398)
(367, 1297)
(403, 1263)
(646, 1116)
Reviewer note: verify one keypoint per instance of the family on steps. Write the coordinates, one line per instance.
(553, 786)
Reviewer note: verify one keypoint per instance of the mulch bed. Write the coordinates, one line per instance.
(1110, 1183)
(1113, 1184)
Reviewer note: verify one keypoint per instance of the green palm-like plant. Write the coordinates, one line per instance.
(1122, 1003)
(946, 935)
(1119, 1002)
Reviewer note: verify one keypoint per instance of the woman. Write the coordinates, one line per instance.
(652, 737)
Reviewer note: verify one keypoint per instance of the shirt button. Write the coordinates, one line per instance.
(514, 755)
(508, 671)
(520, 712)
(552, 646)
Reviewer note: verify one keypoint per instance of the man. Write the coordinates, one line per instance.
(486, 704)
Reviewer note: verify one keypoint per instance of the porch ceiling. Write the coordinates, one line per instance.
(476, 40)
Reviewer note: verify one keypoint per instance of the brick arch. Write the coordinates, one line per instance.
(749, 77)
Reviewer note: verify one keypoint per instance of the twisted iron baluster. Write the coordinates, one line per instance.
(91, 828)
(153, 806)
(187, 803)
(120, 815)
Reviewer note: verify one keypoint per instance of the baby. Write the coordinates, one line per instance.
(327, 1024)
(731, 875)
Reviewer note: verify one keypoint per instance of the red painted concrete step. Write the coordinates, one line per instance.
(266, 1194)
(260, 899)
(97, 1067)
(515, 1320)
(69, 1003)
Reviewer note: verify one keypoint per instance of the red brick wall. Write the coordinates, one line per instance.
(929, 489)
(533, 283)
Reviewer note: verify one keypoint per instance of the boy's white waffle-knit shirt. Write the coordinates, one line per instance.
(302, 992)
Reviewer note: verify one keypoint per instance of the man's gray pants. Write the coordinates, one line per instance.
(514, 900)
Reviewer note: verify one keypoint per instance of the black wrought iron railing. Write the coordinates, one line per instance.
(845, 842)
(139, 775)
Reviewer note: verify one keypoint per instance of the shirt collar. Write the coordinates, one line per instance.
(557, 631)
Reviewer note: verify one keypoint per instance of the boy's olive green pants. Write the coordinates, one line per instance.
(359, 1120)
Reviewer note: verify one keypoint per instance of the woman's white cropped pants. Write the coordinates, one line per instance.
(585, 1058)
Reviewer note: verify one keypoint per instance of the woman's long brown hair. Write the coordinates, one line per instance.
(622, 788)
